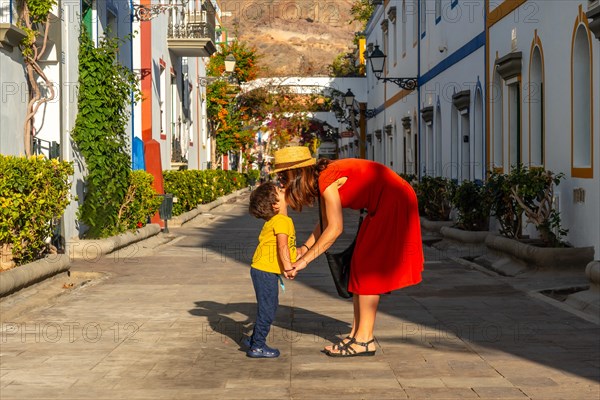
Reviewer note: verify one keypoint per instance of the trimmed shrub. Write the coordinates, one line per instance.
(141, 202)
(193, 187)
(473, 202)
(34, 193)
(434, 195)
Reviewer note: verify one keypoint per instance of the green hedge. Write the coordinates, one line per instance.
(34, 193)
(192, 187)
(141, 202)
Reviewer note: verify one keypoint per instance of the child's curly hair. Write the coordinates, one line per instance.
(263, 200)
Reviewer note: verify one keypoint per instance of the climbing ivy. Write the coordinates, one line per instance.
(105, 88)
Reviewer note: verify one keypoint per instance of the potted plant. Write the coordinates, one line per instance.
(530, 192)
(434, 196)
(473, 202)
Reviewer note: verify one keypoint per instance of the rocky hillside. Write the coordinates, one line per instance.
(292, 37)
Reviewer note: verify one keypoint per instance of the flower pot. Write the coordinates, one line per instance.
(540, 257)
(434, 226)
(460, 243)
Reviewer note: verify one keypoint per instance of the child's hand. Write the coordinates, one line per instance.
(298, 266)
(287, 273)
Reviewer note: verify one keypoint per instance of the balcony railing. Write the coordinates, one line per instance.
(191, 31)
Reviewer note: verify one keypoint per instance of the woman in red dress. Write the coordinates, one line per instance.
(388, 254)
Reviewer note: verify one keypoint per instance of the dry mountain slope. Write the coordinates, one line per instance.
(292, 37)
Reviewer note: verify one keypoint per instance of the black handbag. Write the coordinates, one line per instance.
(339, 263)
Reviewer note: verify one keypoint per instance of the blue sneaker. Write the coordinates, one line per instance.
(263, 352)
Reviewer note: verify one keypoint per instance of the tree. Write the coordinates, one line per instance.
(226, 116)
(344, 65)
(34, 19)
(361, 11)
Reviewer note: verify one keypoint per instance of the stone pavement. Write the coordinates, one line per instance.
(165, 324)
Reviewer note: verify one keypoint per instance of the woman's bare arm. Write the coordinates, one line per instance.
(312, 239)
(334, 223)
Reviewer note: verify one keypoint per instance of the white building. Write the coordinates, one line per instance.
(168, 52)
(543, 63)
(482, 101)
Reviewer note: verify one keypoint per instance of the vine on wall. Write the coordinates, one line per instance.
(105, 87)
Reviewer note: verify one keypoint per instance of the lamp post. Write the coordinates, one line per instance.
(349, 101)
(377, 60)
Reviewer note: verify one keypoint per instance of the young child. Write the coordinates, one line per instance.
(274, 255)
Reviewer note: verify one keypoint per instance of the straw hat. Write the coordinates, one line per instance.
(293, 157)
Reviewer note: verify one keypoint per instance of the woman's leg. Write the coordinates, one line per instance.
(355, 321)
(367, 306)
(364, 317)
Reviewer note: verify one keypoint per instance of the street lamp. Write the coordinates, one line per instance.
(377, 60)
(229, 63)
(349, 98)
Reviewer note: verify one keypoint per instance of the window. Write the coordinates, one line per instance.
(497, 100)
(478, 141)
(465, 153)
(395, 41)
(404, 28)
(454, 145)
(438, 11)
(415, 14)
(581, 105)
(514, 124)
(112, 27)
(162, 98)
(423, 18)
(386, 41)
(438, 141)
(429, 149)
(536, 109)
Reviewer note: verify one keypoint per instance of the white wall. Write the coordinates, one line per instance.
(13, 103)
(554, 22)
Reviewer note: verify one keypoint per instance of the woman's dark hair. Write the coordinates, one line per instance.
(263, 200)
(302, 184)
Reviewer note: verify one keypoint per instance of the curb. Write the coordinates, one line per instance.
(179, 220)
(34, 272)
(94, 249)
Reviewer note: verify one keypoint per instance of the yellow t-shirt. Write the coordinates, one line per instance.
(265, 257)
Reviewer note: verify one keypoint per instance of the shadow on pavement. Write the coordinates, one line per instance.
(291, 322)
(453, 309)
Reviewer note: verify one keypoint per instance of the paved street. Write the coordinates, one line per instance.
(165, 324)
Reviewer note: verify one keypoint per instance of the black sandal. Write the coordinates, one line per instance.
(347, 351)
(339, 345)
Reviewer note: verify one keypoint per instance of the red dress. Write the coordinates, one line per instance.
(389, 252)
